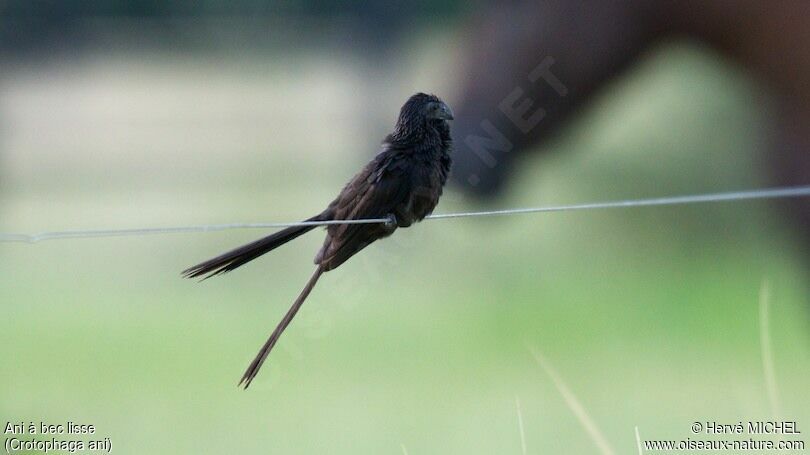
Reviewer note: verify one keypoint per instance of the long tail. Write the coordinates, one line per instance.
(254, 367)
(246, 253)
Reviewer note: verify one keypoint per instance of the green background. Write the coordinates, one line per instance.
(422, 343)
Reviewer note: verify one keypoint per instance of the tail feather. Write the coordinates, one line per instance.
(240, 256)
(253, 368)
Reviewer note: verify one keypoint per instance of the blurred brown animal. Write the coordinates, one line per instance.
(593, 41)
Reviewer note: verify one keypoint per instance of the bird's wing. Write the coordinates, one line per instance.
(373, 193)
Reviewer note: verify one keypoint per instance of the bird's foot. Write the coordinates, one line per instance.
(395, 221)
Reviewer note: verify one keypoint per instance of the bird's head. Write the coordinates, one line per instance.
(436, 109)
(421, 108)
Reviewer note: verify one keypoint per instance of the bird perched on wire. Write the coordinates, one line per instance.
(402, 184)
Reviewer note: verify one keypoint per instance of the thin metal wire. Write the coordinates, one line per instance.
(98, 233)
(770, 193)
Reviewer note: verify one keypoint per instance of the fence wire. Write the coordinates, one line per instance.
(768, 193)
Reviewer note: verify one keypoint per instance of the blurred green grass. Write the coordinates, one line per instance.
(650, 315)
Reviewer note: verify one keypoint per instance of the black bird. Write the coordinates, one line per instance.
(402, 183)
